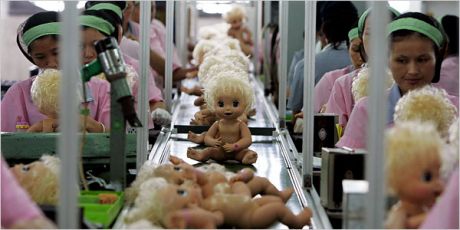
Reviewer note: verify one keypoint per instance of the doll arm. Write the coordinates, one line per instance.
(199, 101)
(415, 221)
(36, 128)
(244, 175)
(193, 218)
(209, 139)
(92, 126)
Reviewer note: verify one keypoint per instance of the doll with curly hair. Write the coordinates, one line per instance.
(236, 18)
(360, 84)
(40, 179)
(412, 166)
(228, 96)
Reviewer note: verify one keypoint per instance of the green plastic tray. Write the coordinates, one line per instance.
(97, 213)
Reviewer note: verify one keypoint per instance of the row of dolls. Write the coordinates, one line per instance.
(177, 195)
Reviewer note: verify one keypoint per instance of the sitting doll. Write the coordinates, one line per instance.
(171, 206)
(412, 167)
(228, 96)
(40, 179)
(45, 95)
(236, 17)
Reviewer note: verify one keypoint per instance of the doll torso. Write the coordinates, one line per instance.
(229, 131)
(233, 206)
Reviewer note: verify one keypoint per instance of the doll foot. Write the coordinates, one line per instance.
(195, 138)
(194, 154)
(249, 158)
(303, 218)
(286, 194)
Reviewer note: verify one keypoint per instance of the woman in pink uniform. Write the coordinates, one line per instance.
(341, 100)
(18, 210)
(324, 87)
(415, 61)
(38, 40)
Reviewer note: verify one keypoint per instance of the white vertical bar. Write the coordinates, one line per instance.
(181, 29)
(169, 52)
(282, 66)
(378, 57)
(308, 85)
(258, 27)
(143, 103)
(68, 119)
(267, 14)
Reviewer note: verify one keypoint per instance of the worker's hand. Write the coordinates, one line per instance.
(161, 117)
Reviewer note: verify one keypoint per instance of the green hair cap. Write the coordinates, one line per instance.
(353, 33)
(97, 23)
(418, 26)
(51, 28)
(107, 6)
(363, 17)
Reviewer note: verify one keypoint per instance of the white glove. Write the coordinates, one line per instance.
(298, 126)
(161, 117)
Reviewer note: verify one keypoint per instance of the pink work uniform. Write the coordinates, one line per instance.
(341, 100)
(449, 76)
(16, 203)
(324, 87)
(17, 102)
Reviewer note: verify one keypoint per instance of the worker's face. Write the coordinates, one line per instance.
(90, 36)
(353, 51)
(137, 12)
(366, 35)
(127, 14)
(412, 62)
(44, 52)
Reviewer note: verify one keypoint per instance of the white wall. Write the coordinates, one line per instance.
(440, 8)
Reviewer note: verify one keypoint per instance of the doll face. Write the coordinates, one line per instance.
(44, 52)
(29, 176)
(90, 36)
(176, 174)
(176, 197)
(353, 51)
(229, 107)
(412, 62)
(421, 184)
(236, 23)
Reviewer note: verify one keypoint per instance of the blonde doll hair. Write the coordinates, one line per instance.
(207, 33)
(229, 83)
(45, 92)
(45, 190)
(237, 12)
(231, 44)
(427, 104)
(207, 63)
(409, 143)
(450, 154)
(147, 171)
(236, 57)
(216, 68)
(148, 204)
(360, 85)
(200, 50)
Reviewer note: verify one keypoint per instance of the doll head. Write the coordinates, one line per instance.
(206, 64)
(450, 153)
(131, 76)
(146, 172)
(413, 161)
(45, 92)
(176, 174)
(207, 33)
(200, 50)
(230, 43)
(235, 17)
(40, 179)
(236, 57)
(213, 65)
(157, 198)
(229, 94)
(427, 104)
(360, 83)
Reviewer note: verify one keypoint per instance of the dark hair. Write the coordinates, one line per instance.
(405, 33)
(107, 15)
(338, 18)
(362, 51)
(35, 20)
(450, 26)
(120, 4)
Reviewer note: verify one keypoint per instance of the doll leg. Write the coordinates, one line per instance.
(215, 153)
(261, 185)
(194, 218)
(266, 199)
(239, 187)
(246, 156)
(196, 138)
(266, 214)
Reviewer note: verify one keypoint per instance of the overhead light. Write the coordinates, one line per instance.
(55, 5)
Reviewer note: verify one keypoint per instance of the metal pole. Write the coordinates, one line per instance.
(169, 53)
(143, 103)
(378, 57)
(258, 26)
(308, 85)
(68, 119)
(267, 14)
(181, 27)
(282, 67)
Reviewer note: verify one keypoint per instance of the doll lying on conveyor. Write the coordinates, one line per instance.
(210, 201)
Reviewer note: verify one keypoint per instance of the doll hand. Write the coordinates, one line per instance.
(161, 117)
(230, 147)
(191, 74)
(216, 142)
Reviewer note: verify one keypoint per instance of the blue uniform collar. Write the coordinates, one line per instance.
(393, 98)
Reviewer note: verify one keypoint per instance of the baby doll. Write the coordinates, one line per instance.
(171, 206)
(236, 17)
(228, 96)
(427, 104)
(45, 95)
(200, 50)
(360, 85)
(412, 167)
(40, 179)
